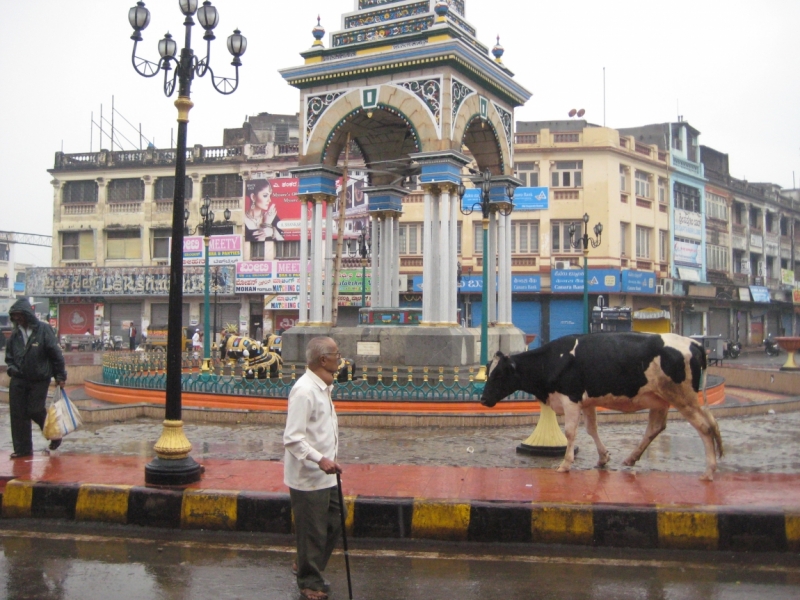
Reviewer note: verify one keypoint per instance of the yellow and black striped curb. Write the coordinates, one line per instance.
(651, 526)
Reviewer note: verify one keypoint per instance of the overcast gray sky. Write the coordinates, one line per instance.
(729, 67)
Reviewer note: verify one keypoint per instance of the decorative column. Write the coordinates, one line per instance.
(444, 256)
(396, 262)
(385, 207)
(327, 300)
(302, 298)
(317, 261)
(490, 256)
(440, 175)
(377, 266)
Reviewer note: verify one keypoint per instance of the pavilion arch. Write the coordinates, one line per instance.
(483, 137)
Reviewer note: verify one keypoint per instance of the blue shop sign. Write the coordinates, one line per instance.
(470, 199)
(531, 198)
(473, 284)
(643, 282)
(571, 280)
(759, 293)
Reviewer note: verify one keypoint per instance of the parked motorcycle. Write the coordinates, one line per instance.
(732, 349)
(770, 347)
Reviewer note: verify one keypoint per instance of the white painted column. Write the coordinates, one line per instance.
(443, 280)
(503, 268)
(491, 264)
(427, 257)
(377, 253)
(453, 284)
(302, 298)
(327, 316)
(388, 285)
(509, 272)
(396, 265)
(317, 261)
(436, 257)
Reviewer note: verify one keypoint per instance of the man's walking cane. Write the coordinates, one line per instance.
(344, 535)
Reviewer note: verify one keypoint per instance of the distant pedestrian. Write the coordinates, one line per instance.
(259, 334)
(196, 344)
(132, 336)
(312, 436)
(33, 358)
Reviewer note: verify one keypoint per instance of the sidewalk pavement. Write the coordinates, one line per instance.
(594, 507)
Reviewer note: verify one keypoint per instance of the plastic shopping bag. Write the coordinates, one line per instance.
(62, 418)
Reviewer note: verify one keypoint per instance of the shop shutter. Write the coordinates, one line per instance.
(527, 316)
(719, 322)
(159, 314)
(118, 312)
(566, 318)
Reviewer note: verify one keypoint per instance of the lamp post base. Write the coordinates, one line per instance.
(182, 471)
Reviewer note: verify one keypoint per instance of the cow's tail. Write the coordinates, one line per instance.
(709, 416)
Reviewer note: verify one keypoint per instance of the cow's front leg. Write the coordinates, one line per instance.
(572, 415)
(656, 423)
(590, 414)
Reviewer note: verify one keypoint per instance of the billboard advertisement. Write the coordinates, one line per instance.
(271, 210)
(222, 250)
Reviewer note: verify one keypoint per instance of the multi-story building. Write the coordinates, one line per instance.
(112, 223)
(617, 181)
(753, 254)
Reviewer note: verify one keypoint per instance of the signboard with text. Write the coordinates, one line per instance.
(571, 280)
(638, 281)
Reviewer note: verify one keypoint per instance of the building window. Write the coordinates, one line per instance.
(5, 253)
(165, 188)
(623, 178)
(79, 192)
(623, 239)
(411, 238)
(126, 243)
(662, 190)
(525, 237)
(567, 174)
(126, 190)
(643, 235)
(161, 242)
(258, 250)
(528, 173)
(663, 245)
(288, 250)
(642, 184)
(716, 207)
(223, 186)
(687, 198)
(717, 257)
(560, 242)
(77, 245)
(477, 238)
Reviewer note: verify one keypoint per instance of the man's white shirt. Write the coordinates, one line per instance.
(312, 431)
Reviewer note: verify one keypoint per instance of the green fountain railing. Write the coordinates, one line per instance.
(147, 370)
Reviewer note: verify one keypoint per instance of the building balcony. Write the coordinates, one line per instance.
(566, 138)
(124, 207)
(220, 204)
(571, 194)
(526, 139)
(79, 209)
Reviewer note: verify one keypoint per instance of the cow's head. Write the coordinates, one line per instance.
(501, 380)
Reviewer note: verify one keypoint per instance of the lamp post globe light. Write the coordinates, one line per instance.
(173, 465)
(583, 242)
(205, 226)
(486, 206)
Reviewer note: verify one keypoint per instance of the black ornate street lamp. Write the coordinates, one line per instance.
(173, 465)
(205, 226)
(583, 242)
(363, 251)
(486, 205)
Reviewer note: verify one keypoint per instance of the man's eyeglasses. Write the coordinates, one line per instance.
(336, 354)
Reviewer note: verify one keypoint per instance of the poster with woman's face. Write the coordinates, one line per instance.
(272, 210)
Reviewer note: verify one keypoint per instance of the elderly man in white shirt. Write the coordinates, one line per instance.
(311, 440)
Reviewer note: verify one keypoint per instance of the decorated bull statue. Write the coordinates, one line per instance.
(261, 363)
(621, 371)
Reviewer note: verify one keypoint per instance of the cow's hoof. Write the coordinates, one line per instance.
(603, 460)
(707, 477)
(563, 469)
(629, 462)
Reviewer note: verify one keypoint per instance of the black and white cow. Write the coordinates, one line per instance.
(620, 371)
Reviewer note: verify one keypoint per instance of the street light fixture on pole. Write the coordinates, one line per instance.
(583, 242)
(363, 250)
(173, 465)
(486, 205)
(205, 225)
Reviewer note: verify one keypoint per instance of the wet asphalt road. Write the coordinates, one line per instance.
(45, 561)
